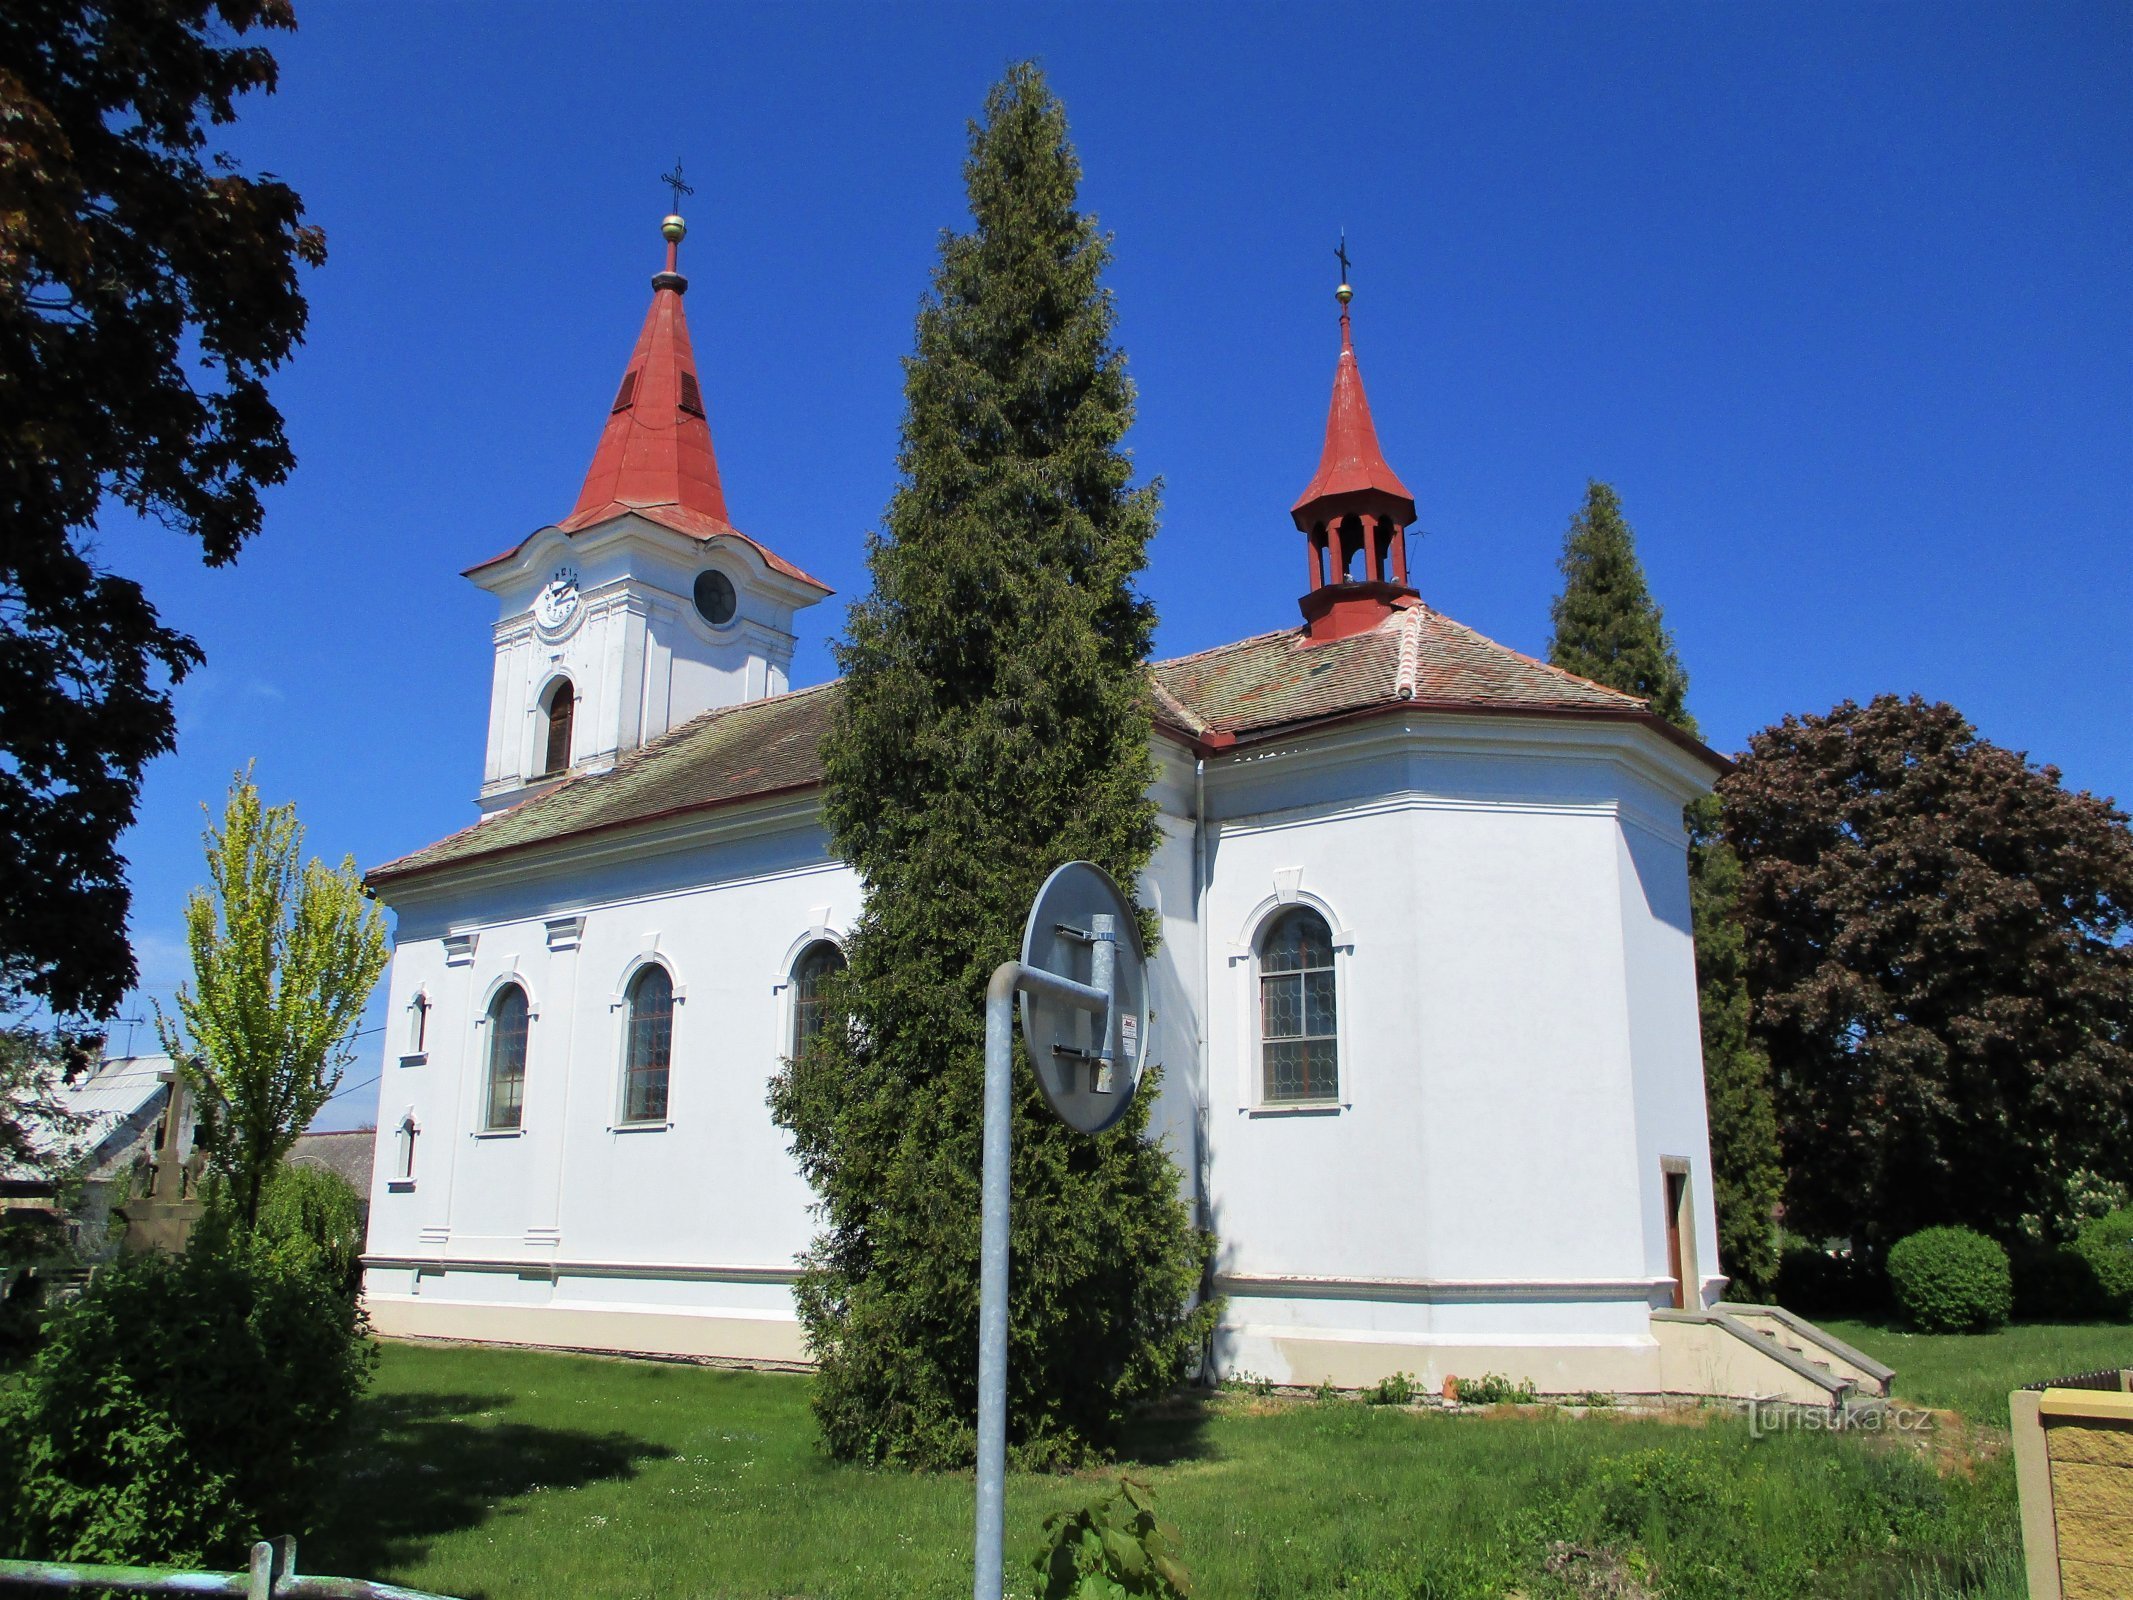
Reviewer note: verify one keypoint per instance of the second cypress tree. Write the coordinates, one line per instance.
(994, 721)
(1608, 629)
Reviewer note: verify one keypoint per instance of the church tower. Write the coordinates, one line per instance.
(1354, 514)
(645, 606)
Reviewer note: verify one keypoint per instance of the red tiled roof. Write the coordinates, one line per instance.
(655, 455)
(1236, 693)
(1414, 656)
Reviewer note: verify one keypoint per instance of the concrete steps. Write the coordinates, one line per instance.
(1801, 1338)
(1764, 1353)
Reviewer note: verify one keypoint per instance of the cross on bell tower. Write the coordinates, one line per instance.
(1355, 512)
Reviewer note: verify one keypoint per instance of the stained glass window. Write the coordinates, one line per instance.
(651, 1046)
(1299, 1055)
(507, 1057)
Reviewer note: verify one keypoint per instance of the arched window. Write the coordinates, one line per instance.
(404, 1138)
(561, 704)
(1298, 1053)
(650, 1046)
(818, 963)
(418, 1023)
(507, 1057)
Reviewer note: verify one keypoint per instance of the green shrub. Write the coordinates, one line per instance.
(1111, 1547)
(2052, 1282)
(1394, 1389)
(1494, 1389)
(1951, 1280)
(181, 1407)
(2106, 1246)
(33, 1244)
(314, 1208)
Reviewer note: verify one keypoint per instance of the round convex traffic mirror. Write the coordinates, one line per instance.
(1086, 1084)
(715, 600)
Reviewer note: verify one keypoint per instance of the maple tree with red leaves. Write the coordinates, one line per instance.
(1940, 955)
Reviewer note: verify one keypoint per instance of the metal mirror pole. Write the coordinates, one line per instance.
(1007, 979)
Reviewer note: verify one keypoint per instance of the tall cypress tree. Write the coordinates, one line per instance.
(1608, 629)
(1606, 626)
(994, 722)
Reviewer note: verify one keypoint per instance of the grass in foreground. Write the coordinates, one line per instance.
(1973, 1372)
(503, 1473)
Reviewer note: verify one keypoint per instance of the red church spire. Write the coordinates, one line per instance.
(1355, 506)
(655, 454)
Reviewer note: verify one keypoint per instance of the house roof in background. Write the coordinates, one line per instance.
(117, 1100)
(348, 1152)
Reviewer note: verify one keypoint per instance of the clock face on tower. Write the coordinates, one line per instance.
(557, 602)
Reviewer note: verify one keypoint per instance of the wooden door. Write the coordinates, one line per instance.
(1676, 1186)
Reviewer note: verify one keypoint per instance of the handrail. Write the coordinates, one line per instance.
(1815, 1333)
(271, 1576)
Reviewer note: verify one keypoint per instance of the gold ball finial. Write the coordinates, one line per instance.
(673, 228)
(1344, 294)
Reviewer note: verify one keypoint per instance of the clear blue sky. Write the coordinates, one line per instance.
(1839, 297)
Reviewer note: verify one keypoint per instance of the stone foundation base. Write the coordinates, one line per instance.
(749, 1340)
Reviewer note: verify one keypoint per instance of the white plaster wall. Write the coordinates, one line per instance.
(1667, 1047)
(1483, 1180)
(1485, 1126)
(1179, 1113)
(1518, 1050)
(714, 1187)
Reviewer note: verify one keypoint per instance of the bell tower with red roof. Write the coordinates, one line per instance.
(645, 606)
(1355, 512)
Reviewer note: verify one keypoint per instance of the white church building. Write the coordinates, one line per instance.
(1425, 998)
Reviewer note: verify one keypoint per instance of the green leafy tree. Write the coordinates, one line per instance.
(284, 959)
(1940, 942)
(182, 1406)
(147, 289)
(995, 721)
(1747, 1171)
(1609, 629)
(312, 1211)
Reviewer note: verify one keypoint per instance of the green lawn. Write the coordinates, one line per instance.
(1972, 1373)
(500, 1473)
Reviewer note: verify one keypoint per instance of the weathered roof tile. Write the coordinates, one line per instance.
(1241, 691)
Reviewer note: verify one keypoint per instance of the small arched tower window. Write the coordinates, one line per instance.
(1298, 1049)
(650, 1046)
(818, 963)
(404, 1139)
(507, 1058)
(418, 1024)
(561, 704)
